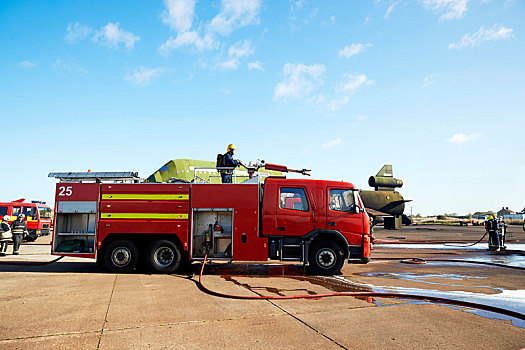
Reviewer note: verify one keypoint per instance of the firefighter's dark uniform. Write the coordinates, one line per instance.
(228, 161)
(18, 229)
(492, 228)
(4, 227)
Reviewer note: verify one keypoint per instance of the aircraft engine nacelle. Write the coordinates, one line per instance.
(384, 182)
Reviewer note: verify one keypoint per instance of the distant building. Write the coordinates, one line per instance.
(505, 211)
(516, 216)
(482, 215)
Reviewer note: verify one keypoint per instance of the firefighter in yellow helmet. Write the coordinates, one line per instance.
(492, 227)
(228, 161)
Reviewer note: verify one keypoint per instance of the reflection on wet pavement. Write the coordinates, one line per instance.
(428, 278)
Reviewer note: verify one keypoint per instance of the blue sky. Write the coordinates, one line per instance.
(433, 87)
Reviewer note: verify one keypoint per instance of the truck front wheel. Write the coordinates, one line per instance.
(121, 256)
(163, 256)
(325, 258)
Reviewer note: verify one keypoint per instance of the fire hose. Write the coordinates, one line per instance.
(30, 263)
(357, 294)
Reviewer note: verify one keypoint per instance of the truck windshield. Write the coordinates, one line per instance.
(341, 200)
(45, 213)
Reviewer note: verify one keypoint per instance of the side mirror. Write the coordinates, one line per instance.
(357, 210)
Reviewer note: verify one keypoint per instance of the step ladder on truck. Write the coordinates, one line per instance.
(123, 221)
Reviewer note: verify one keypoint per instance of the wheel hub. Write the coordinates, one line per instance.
(326, 257)
(164, 256)
(121, 256)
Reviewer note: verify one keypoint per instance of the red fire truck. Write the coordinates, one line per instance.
(122, 221)
(38, 216)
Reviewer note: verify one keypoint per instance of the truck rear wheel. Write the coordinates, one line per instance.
(121, 256)
(163, 256)
(325, 258)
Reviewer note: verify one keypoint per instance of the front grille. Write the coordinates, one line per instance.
(45, 225)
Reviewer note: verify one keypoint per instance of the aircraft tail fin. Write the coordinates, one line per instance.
(386, 171)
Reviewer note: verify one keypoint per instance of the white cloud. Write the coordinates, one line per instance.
(299, 80)
(188, 39)
(235, 14)
(336, 104)
(66, 67)
(353, 49)
(331, 143)
(142, 76)
(230, 64)
(178, 14)
(257, 65)
(352, 82)
(26, 64)
(389, 10)
(76, 32)
(241, 48)
(429, 80)
(225, 91)
(482, 35)
(296, 4)
(112, 35)
(361, 117)
(462, 138)
(236, 51)
(454, 9)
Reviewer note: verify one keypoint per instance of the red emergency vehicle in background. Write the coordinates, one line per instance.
(38, 216)
(122, 221)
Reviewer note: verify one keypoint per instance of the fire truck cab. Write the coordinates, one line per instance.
(38, 216)
(124, 224)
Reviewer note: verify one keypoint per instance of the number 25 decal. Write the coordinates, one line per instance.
(65, 191)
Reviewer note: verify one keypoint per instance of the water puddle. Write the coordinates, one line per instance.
(255, 270)
(507, 299)
(511, 247)
(428, 278)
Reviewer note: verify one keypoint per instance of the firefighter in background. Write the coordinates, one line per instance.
(5, 234)
(18, 229)
(491, 225)
(228, 161)
(502, 232)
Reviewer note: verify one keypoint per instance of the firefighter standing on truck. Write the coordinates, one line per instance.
(228, 161)
(18, 229)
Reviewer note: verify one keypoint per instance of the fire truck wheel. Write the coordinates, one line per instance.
(163, 256)
(121, 256)
(325, 258)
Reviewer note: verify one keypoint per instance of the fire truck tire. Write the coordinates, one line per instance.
(326, 258)
(163, 256)
(121, 256)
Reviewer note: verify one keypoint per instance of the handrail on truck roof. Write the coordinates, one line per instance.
(97, 176)
(195, 176)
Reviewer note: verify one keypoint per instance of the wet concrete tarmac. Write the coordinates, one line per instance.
(75, 304)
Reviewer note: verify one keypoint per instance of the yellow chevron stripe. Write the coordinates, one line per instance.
(143, 216)
(152, 197)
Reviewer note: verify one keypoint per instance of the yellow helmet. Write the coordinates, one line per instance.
(231, 146)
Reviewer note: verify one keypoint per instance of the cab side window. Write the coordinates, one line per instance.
(29, 212)
(293, 198)
(341, 200)
(3, 211)
(16, 211)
